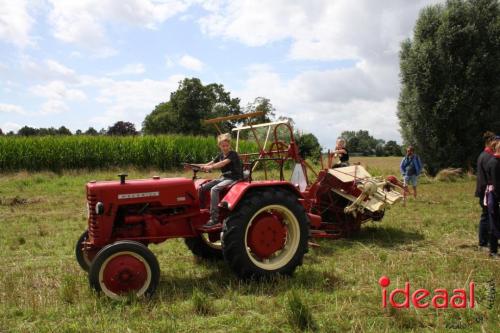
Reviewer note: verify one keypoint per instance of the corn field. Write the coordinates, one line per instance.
(58, 153)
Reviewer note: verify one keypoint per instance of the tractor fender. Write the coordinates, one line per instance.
(238, 191)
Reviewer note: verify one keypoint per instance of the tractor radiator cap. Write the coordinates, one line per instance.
(156, 177)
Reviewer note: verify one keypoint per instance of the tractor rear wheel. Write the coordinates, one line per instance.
(81, 256)
(266, 235)
(204, 246)
(125, 267)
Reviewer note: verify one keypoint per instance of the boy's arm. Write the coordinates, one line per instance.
(201, 165)
(232, 156)
(218, 165)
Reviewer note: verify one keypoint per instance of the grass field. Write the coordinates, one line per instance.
(430, 242)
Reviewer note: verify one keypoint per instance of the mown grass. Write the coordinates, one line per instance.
(431, 242)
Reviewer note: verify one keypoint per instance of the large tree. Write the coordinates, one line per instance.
(122, 128)
(450, 72)
(308, 145)
(361, 142)
(91, 131)
(191, 103)
(261, 104)
(27, 131)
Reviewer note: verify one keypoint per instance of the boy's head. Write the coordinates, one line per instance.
(340, 143)
(224, 141)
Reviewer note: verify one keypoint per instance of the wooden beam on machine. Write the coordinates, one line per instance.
(240, 116)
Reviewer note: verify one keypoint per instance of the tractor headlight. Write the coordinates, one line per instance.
(99, 208)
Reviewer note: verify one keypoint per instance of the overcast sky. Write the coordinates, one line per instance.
(331, 65)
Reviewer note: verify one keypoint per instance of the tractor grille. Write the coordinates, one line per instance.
(93, 227)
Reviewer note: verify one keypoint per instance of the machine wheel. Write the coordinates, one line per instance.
(205, 247)
(266, 235)
(83, 258)
(125, 267)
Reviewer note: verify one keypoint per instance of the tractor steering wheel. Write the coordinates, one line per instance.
(195, 167)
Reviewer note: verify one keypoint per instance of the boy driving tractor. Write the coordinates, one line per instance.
(232, 170)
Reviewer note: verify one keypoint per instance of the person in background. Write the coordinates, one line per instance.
(232, 170)
(492, 197)
(410, 168)
(482, 160)
(342, 153)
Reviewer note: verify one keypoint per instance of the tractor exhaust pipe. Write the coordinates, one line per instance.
(122, 178)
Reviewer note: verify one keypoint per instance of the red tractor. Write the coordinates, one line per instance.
(266, 224)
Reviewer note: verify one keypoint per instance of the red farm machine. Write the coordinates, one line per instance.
(266, 224)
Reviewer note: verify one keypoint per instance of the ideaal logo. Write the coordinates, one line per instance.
(460, 298)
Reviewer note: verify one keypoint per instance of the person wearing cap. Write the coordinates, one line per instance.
(410, 168)
(492, 197)
(483, 159)
(229, 162)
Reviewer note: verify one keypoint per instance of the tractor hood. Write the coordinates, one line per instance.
(166, 191)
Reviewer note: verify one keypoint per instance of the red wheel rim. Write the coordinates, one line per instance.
(266, 235)
(125, 272)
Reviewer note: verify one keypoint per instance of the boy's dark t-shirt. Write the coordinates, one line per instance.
(234, 169)
(344, 157)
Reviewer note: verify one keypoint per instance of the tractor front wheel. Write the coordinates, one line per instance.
(83, 258)
(266, 235)
(125, 267)
(206, 246)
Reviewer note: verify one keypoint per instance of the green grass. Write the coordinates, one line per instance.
(430, 242)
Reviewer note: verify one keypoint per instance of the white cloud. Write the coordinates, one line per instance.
(59, 69)
(57, 90)
(84, 22)
(321, 29)
(191, 63)
(327, 102)
(130, 69)
(131, 100)
(169, 62)
(324, 102)
(9, 126)
(11, 108)
(47, 70)
(15, 22)
(57, 94)
(53, 106)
